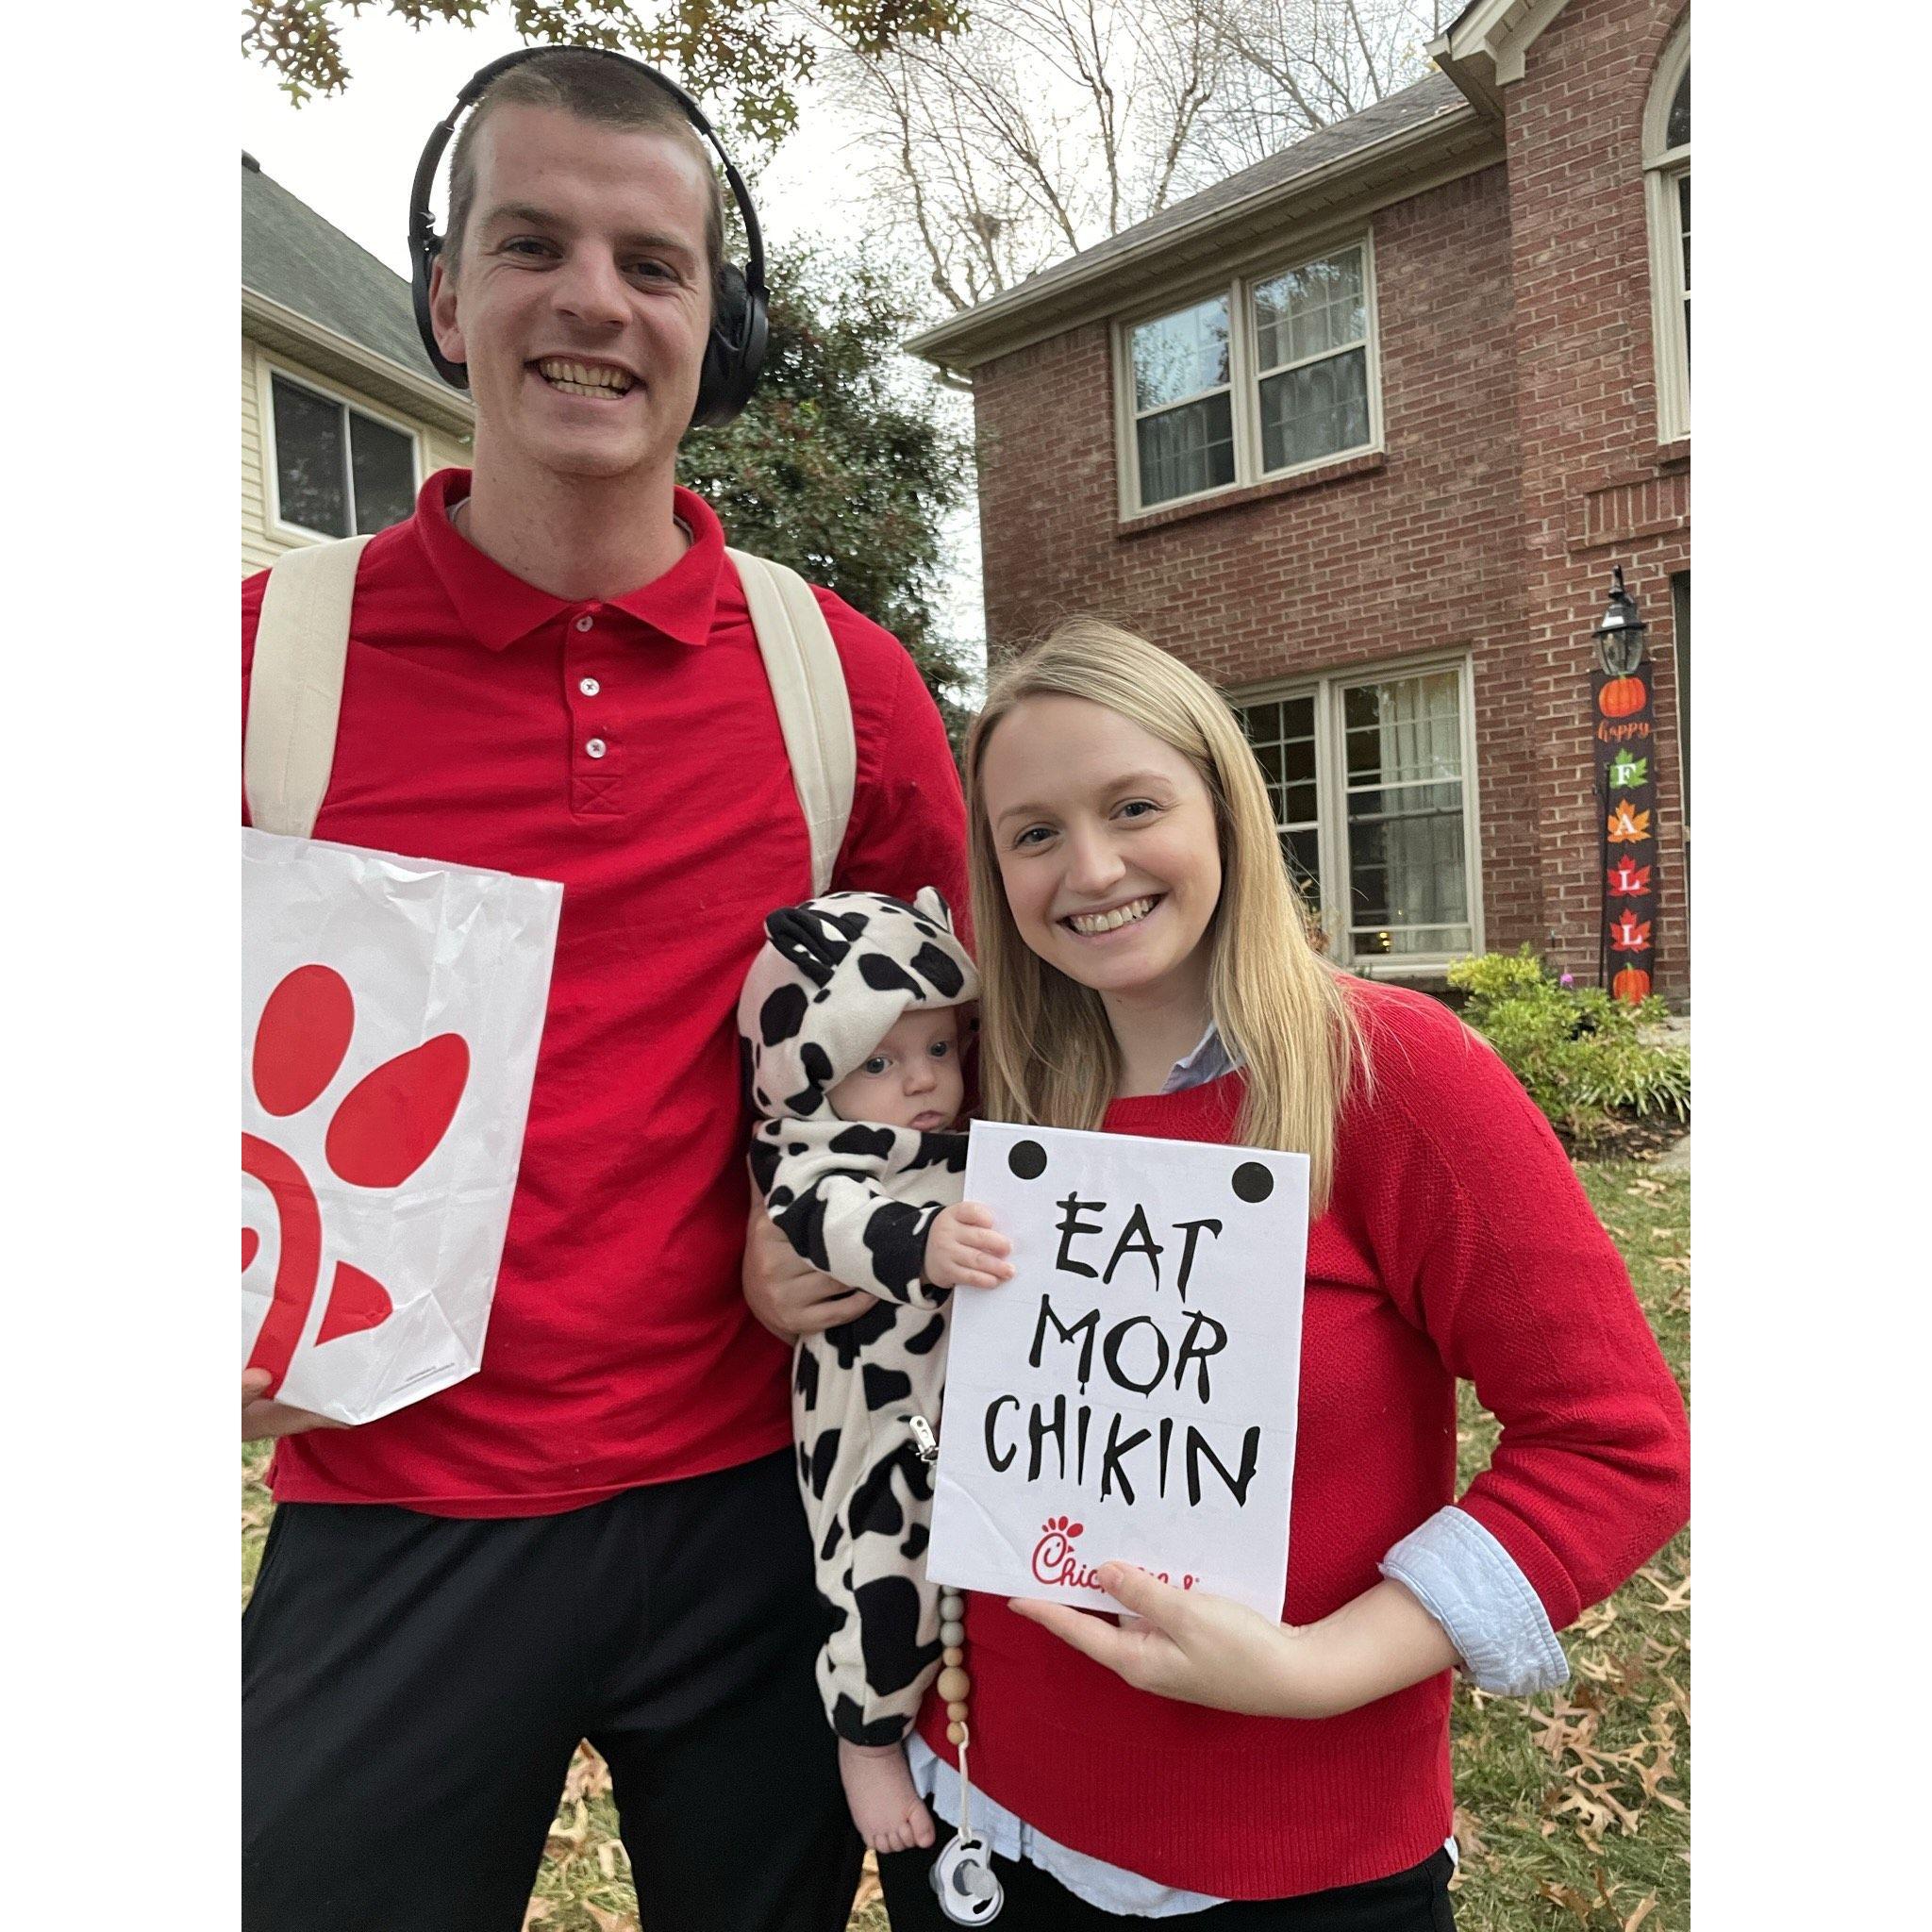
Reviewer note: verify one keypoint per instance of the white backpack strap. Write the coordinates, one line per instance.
(814, 709)
(295, 689)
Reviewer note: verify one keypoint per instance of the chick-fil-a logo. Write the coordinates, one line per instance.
(387, 1125)
(1054, 1559)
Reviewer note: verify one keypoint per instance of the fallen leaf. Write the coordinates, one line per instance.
(1571, 1901)
(1642, 1913)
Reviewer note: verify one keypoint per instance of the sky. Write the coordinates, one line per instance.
(352, 157)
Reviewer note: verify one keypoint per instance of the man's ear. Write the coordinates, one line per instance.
(443, 313)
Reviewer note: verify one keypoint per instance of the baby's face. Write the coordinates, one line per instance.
(912, 1078)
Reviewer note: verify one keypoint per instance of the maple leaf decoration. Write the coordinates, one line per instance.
(1627, 770)
(1627, 879)
(1627, 826)
(1630, 934)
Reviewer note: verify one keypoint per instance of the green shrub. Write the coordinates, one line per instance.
(1586, 1060)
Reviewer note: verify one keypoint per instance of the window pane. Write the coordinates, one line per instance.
(308, 460)
(1677, 127)
(1283, 734)
(1309, 310)
(1684, 233)
(384, 463)
(1180, 354)
(1407, 876)
(1405, 730)
(1315, 412)
(1185, 449)
(1301, 850)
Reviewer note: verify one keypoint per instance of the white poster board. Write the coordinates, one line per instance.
(390, 1015)
(1131, 1393)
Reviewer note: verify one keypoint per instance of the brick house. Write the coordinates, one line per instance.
(1360, 433)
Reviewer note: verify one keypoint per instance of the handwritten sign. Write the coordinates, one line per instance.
(1131, 1393)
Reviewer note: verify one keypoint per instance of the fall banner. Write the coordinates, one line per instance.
(1626, 739)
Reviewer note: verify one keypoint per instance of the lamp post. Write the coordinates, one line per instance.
(1624, 733)
(1620, 636)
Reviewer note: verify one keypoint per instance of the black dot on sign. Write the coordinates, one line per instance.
(1027, 1159)
(1253, 1182)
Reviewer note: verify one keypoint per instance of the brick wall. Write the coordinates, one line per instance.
(1519, 462)
(1595, 490)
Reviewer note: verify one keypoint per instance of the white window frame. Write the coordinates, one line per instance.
(1244, 375)
(269, 368)
(1331, 805)
(1663, 169)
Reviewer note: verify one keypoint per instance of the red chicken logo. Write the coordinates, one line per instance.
(387, 1125)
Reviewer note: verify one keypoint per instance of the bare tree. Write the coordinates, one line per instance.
(1293, 66)
(1048, 125)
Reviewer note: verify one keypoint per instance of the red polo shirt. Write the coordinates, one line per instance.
(630, 750)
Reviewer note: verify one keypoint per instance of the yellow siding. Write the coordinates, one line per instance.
(261, 541)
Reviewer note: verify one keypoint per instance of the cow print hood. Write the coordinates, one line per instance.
(831, 981)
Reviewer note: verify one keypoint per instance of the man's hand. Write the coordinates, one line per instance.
(261, 1417)
(964, 1250)
(790, 1297)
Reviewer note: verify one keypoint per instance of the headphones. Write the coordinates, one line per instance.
(735, 350)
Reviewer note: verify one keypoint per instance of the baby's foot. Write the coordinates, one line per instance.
(878, 1791)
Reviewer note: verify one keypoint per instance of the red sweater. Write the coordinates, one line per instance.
(1458, 1244)
(620, 1350)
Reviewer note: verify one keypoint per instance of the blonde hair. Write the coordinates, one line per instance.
(1046, 1052)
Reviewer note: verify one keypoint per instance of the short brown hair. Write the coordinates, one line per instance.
(594, 87)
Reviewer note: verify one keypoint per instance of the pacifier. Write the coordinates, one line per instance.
(962, 1876)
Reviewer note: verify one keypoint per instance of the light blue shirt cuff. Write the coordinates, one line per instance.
(1472, 1586)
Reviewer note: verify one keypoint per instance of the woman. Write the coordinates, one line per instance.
(1146, 971)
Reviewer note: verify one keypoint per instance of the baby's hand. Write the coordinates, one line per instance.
(964, 1250)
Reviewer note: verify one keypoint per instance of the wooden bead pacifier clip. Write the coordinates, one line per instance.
(969, 1893)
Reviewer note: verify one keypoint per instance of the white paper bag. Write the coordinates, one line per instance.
(1132, 1391)
(391, 1011)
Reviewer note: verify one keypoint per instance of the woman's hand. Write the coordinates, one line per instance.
(1206, 1649)
(964, 1250)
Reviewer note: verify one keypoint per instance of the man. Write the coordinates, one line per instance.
(552, 672)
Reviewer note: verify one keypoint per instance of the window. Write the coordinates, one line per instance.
(1258, 379)
(1667, 190)
(338, 472)
(1369, 779)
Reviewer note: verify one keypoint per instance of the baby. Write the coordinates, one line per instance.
(850, 1022)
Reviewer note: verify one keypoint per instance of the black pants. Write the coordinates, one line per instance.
(1412, 1901)
(414, 1686)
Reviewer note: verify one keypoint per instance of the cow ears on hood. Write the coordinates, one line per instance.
(931, 901)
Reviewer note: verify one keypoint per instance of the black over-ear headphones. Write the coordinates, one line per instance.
(738, 327)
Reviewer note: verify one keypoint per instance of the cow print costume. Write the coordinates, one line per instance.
(857, 1200)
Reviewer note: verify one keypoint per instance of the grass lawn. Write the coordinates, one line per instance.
(1571, 1807)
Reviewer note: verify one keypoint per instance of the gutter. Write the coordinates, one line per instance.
(389, 378)
(964, 339)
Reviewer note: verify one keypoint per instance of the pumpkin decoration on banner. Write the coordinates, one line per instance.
(1623, 697)
(1631, 984)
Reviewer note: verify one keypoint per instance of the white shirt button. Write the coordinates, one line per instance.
(585, 622)
(588, 686)
(595, 747)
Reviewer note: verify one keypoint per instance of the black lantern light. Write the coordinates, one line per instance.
(1620, 636)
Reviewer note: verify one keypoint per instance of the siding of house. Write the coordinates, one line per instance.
(1520, 462)
(263, 541)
